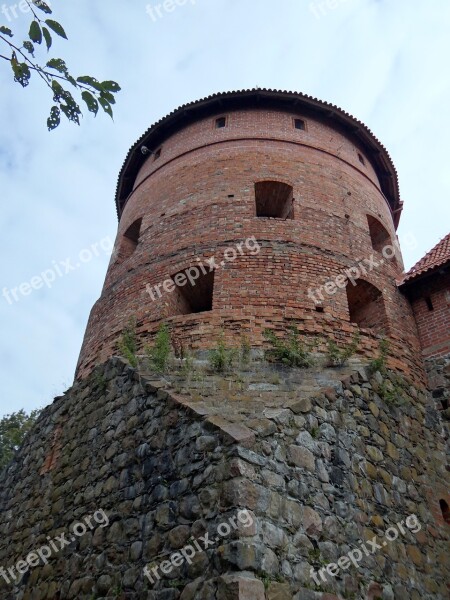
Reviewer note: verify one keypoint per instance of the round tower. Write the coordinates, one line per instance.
(253, 210)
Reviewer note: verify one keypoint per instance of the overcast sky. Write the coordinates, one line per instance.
(384, 61)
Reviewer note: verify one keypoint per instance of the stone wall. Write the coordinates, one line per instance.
(438, 372)
(319, 476)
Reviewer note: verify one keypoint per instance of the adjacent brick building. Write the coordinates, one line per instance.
(427, 285)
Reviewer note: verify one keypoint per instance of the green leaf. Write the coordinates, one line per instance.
(106, 106)
(108, 97)
(70, 101)
(111, 86)
(13, 429)
(72, 112)
(21, 71)
(58, 91)
(35, 33)
(58, 64)
(43, 6)
(54, 119)
(71, 80)
(91, 102)
(29, 47)
(6, 31)
(47, 37)
(56, 27)
(88, 80)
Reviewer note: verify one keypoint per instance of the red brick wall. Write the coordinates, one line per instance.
(433, 325)
(198, 199)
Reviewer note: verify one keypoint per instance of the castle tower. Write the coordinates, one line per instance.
(295, 201)
(272, 482)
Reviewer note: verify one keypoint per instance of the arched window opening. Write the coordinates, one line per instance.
(366, 306)
(378, 234)
(274, 200)
(130, 240)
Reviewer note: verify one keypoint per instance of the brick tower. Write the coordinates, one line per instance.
(308, 182)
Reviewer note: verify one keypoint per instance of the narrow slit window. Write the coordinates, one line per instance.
(429, 303)
(361, 158)
(157, 153)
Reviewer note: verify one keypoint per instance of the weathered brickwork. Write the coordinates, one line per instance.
(318, 475)
(430, 300)
(198, 199)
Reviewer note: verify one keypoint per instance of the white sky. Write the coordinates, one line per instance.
(384, 61)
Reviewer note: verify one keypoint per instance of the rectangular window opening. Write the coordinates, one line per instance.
(274, 199)
(299, 124)
(429, 303)
(221, 122)
(194, 294)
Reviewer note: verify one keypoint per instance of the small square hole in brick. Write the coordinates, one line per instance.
(194, 291)
(274, 199)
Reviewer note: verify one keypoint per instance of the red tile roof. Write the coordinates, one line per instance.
(437, 257)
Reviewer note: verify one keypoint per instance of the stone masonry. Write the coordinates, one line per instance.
(320, 473)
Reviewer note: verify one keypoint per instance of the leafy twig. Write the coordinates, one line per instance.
(93, 92)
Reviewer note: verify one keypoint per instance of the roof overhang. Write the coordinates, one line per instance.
(432, 271)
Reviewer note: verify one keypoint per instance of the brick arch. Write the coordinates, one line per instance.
(366, 306)
(130, 240)
(379, 235)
